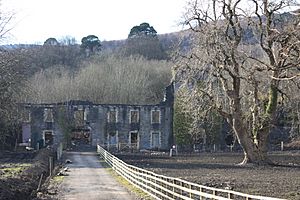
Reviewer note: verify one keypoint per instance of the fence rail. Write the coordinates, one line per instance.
(163, 187)
(121, 146)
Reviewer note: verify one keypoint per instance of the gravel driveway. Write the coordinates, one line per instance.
(88, 179)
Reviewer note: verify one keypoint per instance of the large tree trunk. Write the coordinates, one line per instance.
(255, 149)
(254, 152)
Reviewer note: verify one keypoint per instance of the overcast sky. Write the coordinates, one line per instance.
(37, 20)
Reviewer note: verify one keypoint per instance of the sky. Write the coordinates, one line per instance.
(37, 20)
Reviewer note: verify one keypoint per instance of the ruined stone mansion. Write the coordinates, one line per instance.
(83, 122)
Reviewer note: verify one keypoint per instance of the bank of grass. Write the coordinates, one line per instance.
(135, 190)
(57, 179)
(13, 169)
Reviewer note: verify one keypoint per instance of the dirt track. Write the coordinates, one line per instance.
(88, 179)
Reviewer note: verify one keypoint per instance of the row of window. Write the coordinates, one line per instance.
(133, 138)
(112, 116)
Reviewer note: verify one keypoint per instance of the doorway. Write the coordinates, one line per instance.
(134, 139)
(48, 138)
(81, 137)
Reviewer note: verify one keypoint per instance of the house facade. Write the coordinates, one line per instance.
(115, 125)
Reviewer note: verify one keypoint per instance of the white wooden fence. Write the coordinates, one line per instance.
(163, 187)
(121, 146)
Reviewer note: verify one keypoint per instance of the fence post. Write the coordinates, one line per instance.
(181, 185)
(173, 189)
(230, 196)
(214, 193)
(155, 182)
(201, 192)
(50, 165)
(40, 182)
(113, 163)
(59, 151)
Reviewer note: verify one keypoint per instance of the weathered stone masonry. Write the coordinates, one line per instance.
(143, 126)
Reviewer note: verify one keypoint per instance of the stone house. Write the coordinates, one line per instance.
(115, 125)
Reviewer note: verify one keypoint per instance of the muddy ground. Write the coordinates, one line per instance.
(20, 173)
(210, 169)
(221, 170)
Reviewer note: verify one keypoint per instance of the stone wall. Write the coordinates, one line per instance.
(146, 126)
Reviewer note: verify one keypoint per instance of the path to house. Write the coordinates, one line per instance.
(88, 179)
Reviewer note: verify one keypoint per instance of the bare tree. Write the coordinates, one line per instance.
(6, 25)
(103, 79)
(12, 79)
(243, 52)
